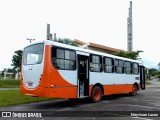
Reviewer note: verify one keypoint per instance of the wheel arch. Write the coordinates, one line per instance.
(99, 85)
(136, 84)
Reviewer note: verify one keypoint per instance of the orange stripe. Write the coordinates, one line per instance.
(63, 92)
(115, 89)
(31, 92)
(47, 60)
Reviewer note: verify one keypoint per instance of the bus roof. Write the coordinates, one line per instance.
(49, 42)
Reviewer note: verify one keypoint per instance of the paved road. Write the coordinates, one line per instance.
(114, 105)
(154, 84)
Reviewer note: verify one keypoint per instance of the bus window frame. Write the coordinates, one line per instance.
(118, 66)
(42, 54)
(101, 62)
(57, 47)
(128, 67)
(134, 68)
(113, 69)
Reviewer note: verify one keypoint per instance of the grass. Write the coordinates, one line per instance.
(9, 83)
(148, 83)
(14, 97)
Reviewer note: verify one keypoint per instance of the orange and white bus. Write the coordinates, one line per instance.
(51, 69)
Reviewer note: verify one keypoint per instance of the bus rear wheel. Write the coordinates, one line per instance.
(96, 94)
(134, 90)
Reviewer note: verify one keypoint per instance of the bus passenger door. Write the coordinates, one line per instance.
(83, 75)
(142, 77)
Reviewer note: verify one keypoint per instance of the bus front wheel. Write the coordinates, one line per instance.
(134, 90)
(96, 94)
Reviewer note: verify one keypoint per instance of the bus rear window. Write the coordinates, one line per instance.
(33, 54)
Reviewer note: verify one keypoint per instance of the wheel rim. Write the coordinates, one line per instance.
(97, 94)
(134, 91)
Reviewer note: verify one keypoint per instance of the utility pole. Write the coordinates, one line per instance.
(129, 30)
(49, 35)
(5, 73)
(55, 37)
(48, 32)
(30, 39)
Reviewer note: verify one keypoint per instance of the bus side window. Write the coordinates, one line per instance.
(127, 67)
(119, 66)
(63, 59)
(59, 59)
(135, 68)
(95, 63)
(108, 65)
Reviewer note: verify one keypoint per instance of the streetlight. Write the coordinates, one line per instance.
(30, 39)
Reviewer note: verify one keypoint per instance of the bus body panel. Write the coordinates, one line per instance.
(33, 65)
(52, 82)
(59, 85)
(70, 76)
(114, 83)
(32, 74)
(111, 78)
(117, 89)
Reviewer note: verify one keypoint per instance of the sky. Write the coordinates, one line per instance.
(99, 21)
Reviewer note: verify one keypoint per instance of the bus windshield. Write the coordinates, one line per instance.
(33, 54)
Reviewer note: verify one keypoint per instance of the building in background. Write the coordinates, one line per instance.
(10, 73)
(97, 47)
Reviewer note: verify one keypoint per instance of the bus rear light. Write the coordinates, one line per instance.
(52, 86)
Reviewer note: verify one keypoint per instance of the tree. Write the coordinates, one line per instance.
(66, 41)
(17, 59)
(159, 66)
(153, 71)
(131, 55)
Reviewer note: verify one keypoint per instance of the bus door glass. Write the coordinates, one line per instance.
(83, 75)
(142, 77)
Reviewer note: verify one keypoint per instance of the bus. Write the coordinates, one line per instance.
(56, 70)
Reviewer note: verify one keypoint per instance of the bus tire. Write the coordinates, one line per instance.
(96, 94)
(134, 91)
